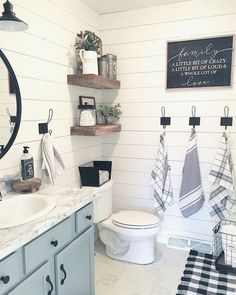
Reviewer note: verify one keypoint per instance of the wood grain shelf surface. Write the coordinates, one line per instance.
(93, 81)
(96, 130)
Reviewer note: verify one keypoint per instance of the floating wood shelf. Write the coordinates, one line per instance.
(93, 81)
(95, 130)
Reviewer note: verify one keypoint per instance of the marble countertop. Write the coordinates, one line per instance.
(67, 201)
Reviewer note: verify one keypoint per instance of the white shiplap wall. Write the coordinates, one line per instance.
(42, 57)
(139, 39)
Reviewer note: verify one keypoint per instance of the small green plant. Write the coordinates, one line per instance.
(110, 111)
(88, 40)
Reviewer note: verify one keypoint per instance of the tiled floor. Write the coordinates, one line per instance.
(115, 277)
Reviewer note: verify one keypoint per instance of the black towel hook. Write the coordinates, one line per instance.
(50, 115)
(226, 120)
(163, 111)
(194, 121)
(13, 119)
(43, 127)
(194, 111)
(226, 111)
(164, 120)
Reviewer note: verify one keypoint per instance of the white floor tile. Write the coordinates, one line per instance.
(114, 277)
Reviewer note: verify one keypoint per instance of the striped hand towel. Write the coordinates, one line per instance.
(222, 201)
(51, 159)
(160, 178)
(191, 196)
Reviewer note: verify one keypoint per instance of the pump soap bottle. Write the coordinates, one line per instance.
(27, 165)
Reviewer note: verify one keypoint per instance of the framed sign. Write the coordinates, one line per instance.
(199, 63)
(87, 100)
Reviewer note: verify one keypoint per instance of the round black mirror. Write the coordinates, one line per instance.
(10, 105)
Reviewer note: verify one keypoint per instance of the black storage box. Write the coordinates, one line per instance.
(89, 172)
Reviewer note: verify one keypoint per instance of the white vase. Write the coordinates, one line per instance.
(89, 61)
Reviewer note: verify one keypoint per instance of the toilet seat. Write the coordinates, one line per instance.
(135, 219)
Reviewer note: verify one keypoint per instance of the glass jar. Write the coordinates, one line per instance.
(103, 66)
(87, 115)
(112, 65)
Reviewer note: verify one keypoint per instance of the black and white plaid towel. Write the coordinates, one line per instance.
(201, 277)
(160, 178)
(222, 201)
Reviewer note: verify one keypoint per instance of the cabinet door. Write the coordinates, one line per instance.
(39, 283)
(75, 266)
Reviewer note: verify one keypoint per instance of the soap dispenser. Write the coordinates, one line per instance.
(27, 165)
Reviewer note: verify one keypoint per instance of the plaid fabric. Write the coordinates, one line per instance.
(222, 201)
(160, 178)
(201, 277)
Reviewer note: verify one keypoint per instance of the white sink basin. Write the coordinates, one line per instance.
(24, 208)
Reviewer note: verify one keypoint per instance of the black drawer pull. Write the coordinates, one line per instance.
(50, 283)
(64, 272)
(5, 279)
(54, 243)
(89, 217)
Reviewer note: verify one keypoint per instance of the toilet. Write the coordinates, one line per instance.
(128, 235)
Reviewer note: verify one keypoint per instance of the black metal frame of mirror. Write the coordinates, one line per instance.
(6, 147)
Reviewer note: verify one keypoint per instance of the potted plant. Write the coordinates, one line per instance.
(111, 113)
(89, 46)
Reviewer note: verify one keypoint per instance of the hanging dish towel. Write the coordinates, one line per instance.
(222, 201)
(51, 159)
(160, 178)
(191, 196)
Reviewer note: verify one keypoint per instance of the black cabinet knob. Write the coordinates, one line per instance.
(54, 243)
(89, 217)
(5, 279)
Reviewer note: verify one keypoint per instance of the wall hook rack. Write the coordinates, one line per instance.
(164, 120)
(194, 121)
(226, 120)
(43, 127)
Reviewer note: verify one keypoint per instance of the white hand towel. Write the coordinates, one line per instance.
(51, 159)
(191, 196)
(160, 178)
(222, 202)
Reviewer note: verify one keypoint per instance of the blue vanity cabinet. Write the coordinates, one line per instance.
(11, 271)
(74, 266)
(48, 244)
(38, 283)
(58, 262)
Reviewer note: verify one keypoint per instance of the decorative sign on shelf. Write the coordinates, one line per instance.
(199, 63)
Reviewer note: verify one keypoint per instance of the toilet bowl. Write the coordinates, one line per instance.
(128, 235)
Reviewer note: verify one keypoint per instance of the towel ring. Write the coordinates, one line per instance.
(194, 121)
(43, 127)
(226, 120)
(164, 120)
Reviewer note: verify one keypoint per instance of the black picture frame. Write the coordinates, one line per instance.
(89, 100)
(205, 62)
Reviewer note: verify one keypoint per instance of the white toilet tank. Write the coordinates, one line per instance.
(102, 203)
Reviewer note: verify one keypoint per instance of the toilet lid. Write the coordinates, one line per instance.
(135, 219)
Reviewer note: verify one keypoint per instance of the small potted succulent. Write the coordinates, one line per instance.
(111, 113)
(89, 47)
